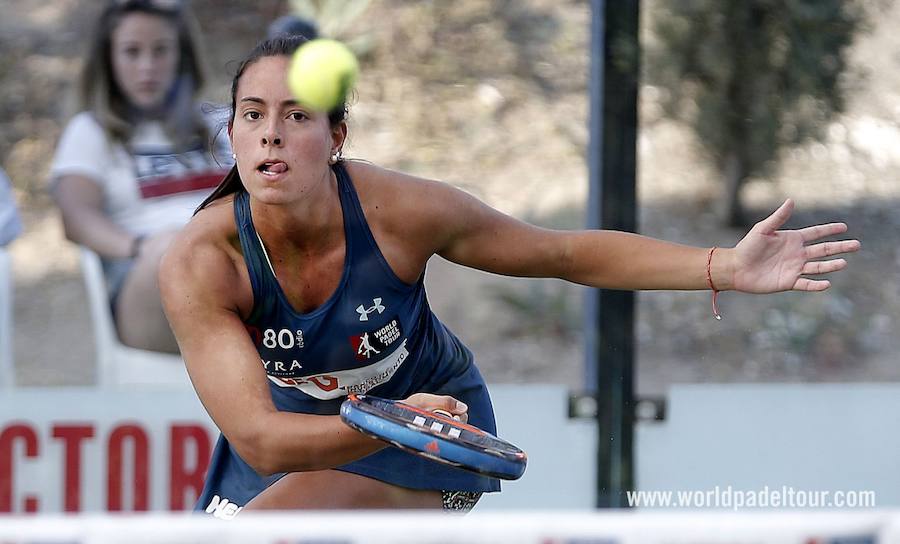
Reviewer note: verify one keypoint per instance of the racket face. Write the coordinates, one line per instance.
(434, 436)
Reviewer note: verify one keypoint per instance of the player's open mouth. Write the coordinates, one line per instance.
(273, 168)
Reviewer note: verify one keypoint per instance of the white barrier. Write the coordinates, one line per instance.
(833, 438)
(97, 450)
(436, 528)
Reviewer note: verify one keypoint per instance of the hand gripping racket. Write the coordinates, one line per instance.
(435, 436)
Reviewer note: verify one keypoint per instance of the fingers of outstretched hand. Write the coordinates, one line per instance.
(816, 232)
(823, 267)
(806, 284)
(778, 218)
(826, 249)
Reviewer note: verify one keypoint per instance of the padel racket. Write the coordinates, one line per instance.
(433, 435)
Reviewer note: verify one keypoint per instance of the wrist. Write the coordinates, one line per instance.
(721, 269)
(719, 274)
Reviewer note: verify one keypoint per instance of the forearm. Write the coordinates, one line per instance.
(95, 231)
(290, 442)
(620, 260)
(226, 370)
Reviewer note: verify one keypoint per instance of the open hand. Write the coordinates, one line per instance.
(768, 260)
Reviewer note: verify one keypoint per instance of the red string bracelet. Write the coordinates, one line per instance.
(715, 292)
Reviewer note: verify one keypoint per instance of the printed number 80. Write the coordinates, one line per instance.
(285, 339)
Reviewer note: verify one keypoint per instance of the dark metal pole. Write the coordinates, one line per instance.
(609, 346)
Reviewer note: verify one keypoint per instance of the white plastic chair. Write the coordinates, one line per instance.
(119, 365)
(7, 367)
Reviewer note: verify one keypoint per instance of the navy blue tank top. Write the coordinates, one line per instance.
(375, 334)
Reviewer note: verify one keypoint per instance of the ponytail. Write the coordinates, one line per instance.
(230, 184)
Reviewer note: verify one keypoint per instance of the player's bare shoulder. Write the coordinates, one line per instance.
(397, 201)
(205, 258)
(207, 235)
(377, 183)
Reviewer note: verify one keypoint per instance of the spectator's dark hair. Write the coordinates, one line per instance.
(273, 47)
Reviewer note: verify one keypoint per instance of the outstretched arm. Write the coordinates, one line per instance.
(766, 260)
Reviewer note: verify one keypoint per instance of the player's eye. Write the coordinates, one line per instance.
(252, 115)
(297, 116)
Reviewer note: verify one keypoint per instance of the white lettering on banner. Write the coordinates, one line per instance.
(343, 382)
(222, 508)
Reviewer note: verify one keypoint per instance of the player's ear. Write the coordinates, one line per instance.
(339, 134)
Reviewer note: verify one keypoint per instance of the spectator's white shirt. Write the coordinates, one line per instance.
(147, 188)
(10, 226)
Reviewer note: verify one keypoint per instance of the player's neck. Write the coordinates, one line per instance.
(310, 223)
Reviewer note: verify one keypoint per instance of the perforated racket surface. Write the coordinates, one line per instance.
(434, 436)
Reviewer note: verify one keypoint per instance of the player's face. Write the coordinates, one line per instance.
(144, 58)
(282, 147)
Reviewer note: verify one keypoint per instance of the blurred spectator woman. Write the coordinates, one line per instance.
(139, 157)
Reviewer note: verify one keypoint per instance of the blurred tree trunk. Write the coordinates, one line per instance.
(732, 209)
(735, 165)
(752, 78)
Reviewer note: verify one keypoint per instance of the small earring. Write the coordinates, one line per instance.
(335, 157)
(234, 156)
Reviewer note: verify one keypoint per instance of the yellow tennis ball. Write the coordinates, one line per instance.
(321, 74)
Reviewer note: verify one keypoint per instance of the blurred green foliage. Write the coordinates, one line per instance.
(751, 77)
(335, 20)
(542, 309)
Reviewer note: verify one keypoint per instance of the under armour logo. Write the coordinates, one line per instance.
(364, 312)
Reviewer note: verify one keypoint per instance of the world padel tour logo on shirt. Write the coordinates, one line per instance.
(373, 343)
(341, 383)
